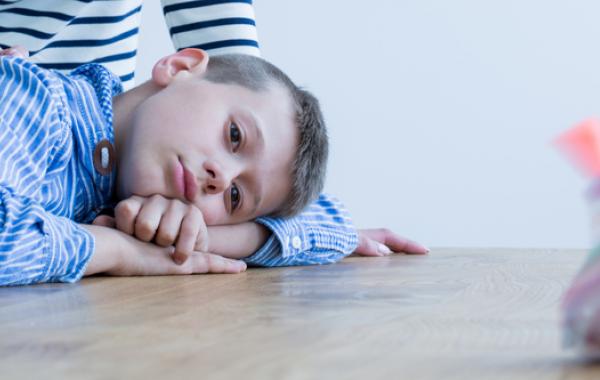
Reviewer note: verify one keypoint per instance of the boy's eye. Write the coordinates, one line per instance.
(235, 136)
(234, 197)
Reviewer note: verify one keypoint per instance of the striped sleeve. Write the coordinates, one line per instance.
(66, 34)
(35, 245)
(63, 35)
(322, 234)
(218, 26)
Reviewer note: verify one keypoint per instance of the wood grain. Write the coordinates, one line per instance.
(453, 314)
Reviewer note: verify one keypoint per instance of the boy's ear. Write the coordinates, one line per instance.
(191, 60)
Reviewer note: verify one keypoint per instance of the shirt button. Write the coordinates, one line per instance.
(296, 242)
(104, 157)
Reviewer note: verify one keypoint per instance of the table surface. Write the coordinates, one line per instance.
(452, 314)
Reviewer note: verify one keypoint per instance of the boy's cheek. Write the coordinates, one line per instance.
(215, 214)
(212, 215)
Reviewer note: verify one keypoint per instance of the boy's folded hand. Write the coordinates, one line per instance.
(164, 221)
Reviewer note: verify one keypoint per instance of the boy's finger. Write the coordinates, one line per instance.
(158, 261)
(148, 219)
(368, 247)
(104, 220)
(399, 244)
(210, 263)
(125, 213)
(170, 224)
(186, 241)
(201, 243)
(394, 241)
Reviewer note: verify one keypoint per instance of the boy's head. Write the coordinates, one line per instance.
(254, 143)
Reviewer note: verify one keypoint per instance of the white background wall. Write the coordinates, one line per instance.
(441, 113)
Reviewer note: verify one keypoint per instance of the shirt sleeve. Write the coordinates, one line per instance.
(322, 234)
(37, 246)
(217, 26)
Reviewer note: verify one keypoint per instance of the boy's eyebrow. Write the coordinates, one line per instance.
(255, 125)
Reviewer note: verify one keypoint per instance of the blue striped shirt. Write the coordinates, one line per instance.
(62, 35)
(49, 126)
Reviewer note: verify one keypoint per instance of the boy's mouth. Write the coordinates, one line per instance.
(178, 177)
(190, 184)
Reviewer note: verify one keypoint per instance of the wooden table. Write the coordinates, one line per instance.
(454, 314)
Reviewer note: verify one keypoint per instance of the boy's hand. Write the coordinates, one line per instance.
(382, 242)
(15, 51)
(165, 221)
(119, 254)
(147, 259)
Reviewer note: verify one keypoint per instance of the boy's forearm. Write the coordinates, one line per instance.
(237, 241)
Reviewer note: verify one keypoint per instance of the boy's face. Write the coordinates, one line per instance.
(237, 144)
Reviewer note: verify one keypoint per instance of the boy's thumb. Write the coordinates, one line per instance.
(104, 220)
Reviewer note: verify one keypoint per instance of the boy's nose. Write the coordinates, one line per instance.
(217, 180)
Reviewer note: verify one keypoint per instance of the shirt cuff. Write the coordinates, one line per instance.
(290, 234)
(68, 249)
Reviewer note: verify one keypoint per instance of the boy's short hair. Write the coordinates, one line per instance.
(310, 162)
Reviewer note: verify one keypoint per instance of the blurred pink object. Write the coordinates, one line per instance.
(581, 310)
(582, 145)
(581, 303)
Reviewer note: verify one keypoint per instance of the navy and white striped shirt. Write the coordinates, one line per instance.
(321, 234)
(68, 33)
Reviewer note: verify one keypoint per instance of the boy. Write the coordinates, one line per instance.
(200, 144)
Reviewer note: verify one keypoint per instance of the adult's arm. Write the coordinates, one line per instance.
(217, 26)
(63, 35)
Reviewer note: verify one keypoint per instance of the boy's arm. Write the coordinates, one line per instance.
(237, 241)
(323, 233)
(37, 246)
(217, 27)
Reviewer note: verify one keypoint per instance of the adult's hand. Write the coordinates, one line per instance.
(15, 51)
(382, 242)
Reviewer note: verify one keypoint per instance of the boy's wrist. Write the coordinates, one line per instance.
(237, 241)
(108, 249)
